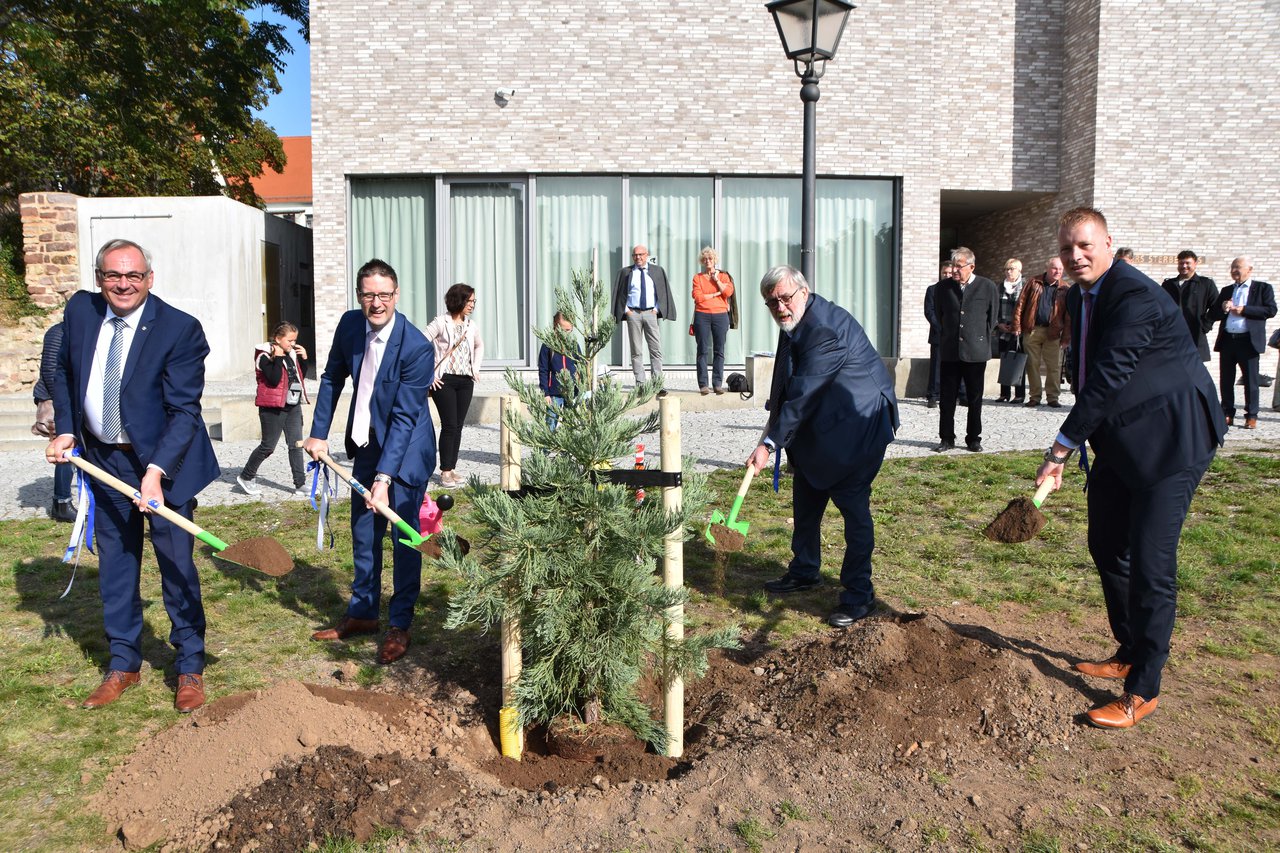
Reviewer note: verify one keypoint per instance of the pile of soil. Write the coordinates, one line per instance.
(1019, 521)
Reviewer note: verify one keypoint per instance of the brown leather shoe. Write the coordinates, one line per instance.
(347, 627)
(1123, 713)
(394, 645)
(190, 693)
(1109, 668)
(1250, 423)
(1230, 420)
(113, 684)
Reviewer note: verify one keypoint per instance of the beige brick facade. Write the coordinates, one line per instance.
(1169, 126)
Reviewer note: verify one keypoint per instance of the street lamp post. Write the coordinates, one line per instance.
(810, 31)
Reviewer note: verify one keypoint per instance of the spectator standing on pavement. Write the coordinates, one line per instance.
(1006, 339)
(1041, 319)
(1196, 295)
(967, 306)
(63, 507)
(935, 332)
(1244, 310)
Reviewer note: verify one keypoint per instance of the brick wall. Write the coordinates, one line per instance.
(50, 246)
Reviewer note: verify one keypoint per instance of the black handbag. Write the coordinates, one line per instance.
(1013, 366)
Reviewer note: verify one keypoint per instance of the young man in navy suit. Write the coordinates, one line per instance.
(392, 444)
(832, 407)
(127, 392)
(1148, 410)
(1244, 310)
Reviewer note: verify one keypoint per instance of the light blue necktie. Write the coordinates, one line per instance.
(111, 375)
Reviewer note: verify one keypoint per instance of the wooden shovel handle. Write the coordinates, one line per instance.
(159, 509)
(746, 481)
(1043, 492)
(387, 511)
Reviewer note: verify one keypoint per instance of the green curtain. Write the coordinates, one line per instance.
(486, 228)
(760, 229)
(853, 261)
(394, 219)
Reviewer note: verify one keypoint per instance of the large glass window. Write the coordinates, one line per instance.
(855, 250)
(760, 229)
(486, 251)
(394, 219)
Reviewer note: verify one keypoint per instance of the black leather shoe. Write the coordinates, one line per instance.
(63, 511)
(944, 446)
(973, 446)
(1055, 405)
(845, 615)
(790, 583)
(931, 404)
(1002, 399)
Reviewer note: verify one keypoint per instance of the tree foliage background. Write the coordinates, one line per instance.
(139, 97)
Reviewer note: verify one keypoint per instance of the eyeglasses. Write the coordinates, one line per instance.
(961, 266)
(384, 298)
(113, 277)
(775, 304)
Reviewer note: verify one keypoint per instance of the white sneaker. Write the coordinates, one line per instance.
(302, 493)
(248, 486)
(452, 481)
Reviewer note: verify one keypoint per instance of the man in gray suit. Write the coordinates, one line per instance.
(968, 307)
(642, 297)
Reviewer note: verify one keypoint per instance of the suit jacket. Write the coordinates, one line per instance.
(967, 317)
(1258, 309)
(661, 292)
(1024, 317)
(1196, 299)
(1148, 406)
(831, 404)
(398, 412)
(160, 389)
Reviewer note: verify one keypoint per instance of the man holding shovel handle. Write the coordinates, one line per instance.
(127, 391)
(832, 406)
(392, 445)
(1147, 408)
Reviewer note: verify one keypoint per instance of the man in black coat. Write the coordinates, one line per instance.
(1146, 406)
(931, 317)
(1244, 310)
(968, 307)
(1196, 296)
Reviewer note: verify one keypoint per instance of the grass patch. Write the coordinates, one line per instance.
(754, 833)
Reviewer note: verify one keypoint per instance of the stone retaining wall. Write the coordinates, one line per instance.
(50, 246)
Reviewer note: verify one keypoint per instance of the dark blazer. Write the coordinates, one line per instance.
(967, 317)
(160, 389)
(831, 404)
(398, 412)
(931, 312)
(1148, 406)
(1258, 309)
(1196, 300)
(661, 291)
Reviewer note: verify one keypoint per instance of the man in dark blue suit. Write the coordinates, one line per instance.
(1147, 408)
(1244, 310)
(832, 407)
(392, 443)
(127, 391)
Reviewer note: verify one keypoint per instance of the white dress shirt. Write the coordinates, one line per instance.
(93, 392)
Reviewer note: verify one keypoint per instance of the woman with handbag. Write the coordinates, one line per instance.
(459, 351)
(1005, 341)
(712, 289)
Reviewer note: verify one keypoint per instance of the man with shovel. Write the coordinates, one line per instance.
(1148, 410)
(126, 392)
(392, 443)
(833, 408)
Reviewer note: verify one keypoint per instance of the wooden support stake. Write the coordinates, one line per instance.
(511, 733)
(673, 569)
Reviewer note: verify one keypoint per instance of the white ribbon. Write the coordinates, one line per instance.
(82, 528)
(327, 491)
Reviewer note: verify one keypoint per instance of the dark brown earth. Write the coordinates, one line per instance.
(1020, 521)
(960, 728)
(727, 539)
(262, 553)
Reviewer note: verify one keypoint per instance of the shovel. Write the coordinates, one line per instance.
(262, 554)
(1021, 520)
(729, 533)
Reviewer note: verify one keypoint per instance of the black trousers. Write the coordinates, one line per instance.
(935, 362)
(1133, 539)
(973, 374)
(1237, 351)
(453, 398)
(287, 420)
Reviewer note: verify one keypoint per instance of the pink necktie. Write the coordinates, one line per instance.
(1085, 316)
(364, 391)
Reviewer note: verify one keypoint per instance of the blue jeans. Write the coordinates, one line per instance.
(553, 417)
(62, 482)
(710, 330)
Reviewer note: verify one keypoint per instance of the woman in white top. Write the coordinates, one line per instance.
(458, 354)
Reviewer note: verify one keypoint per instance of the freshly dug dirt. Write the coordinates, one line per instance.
(262, 553)
(1020, 521)
(727, 539)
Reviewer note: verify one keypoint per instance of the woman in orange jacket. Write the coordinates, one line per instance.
(711, 291)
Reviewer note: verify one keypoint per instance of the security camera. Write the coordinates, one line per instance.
(504, 95)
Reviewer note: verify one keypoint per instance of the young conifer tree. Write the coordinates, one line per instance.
(575, 561)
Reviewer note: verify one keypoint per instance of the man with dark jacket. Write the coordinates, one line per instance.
(968, 307)
(642, 297)
(931, 317)
(1196, 296)
(1244, 310)
(1145, 405)
(1041, 319)
(63, 507)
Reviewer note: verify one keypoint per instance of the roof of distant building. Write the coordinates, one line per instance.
(294, 183)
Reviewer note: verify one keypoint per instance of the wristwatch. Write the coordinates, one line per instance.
(382, 478)
(1049, 456)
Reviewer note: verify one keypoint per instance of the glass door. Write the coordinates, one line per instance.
(487, 251)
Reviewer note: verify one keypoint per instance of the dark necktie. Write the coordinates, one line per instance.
(644, 292)
(1086, 315)
(112, 372)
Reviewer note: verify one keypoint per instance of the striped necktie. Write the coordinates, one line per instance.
(112, 373)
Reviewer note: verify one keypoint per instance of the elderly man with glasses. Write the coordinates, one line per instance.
(832, 407)
(968, 308)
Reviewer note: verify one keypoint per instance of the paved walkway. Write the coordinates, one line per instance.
(718, 440)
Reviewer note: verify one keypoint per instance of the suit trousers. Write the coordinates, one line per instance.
(935, 363)
(1043, 351)
(1133, 539)
(852, 496)
(118, 528)
(368, 529)
(642, 328)
(952, 373)
(1235, 351)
